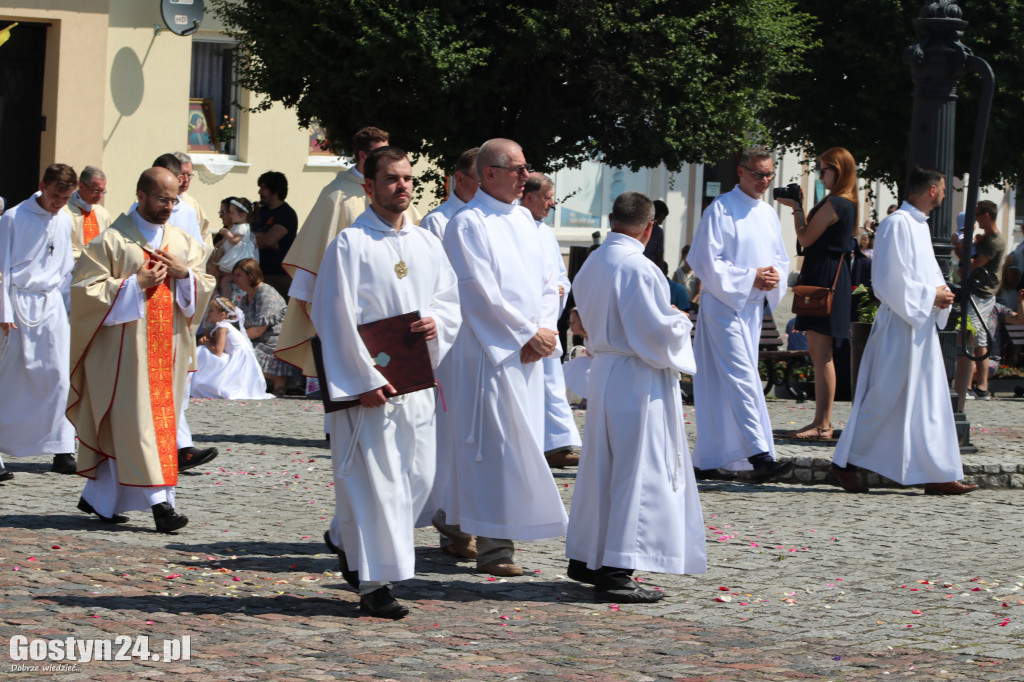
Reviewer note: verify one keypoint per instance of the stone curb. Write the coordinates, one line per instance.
(814, 471)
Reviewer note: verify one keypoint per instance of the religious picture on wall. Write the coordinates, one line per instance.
(200, 115)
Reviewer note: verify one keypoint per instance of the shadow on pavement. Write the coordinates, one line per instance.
(259, 439)
(149, 604)
(794, 487)
(140, 523)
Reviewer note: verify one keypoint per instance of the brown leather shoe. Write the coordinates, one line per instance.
(462, 544)
(502, 568)
(951, 488)
(563, 457)
(847, 480)
(465, 549)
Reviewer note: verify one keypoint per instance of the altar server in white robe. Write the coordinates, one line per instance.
(635, 506)
(901, 423)
(465, 187)
(561, 435)
(452, 541)
(503, 489)
(382, 450)
(35, 284)
(738, 254)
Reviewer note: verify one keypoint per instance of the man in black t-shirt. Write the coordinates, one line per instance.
(275, 227)
(985, 271)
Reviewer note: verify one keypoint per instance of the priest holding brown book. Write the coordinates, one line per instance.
(383, 450)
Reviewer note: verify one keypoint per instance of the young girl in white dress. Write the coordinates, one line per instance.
(238, 242)
(226, 363)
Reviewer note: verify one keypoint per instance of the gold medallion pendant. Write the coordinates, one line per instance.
(401, 269)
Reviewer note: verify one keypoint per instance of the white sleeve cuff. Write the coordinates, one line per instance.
(130, 304)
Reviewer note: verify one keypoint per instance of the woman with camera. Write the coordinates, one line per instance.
(825, 236)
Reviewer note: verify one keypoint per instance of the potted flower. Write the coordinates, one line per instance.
(867, 309)
(225, 133)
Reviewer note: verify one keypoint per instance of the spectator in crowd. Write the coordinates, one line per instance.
(676, 292)
(237, 243)
(226, 365)
(985, 270)
(264, 310)
(685, 275)
(655, 249)
(826, 236)
(274, 226)
(795, 338)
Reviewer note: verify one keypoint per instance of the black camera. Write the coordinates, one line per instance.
(790, 191)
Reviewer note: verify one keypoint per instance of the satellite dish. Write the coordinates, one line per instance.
(182, 16)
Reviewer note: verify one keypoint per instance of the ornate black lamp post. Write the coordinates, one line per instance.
(938, 60)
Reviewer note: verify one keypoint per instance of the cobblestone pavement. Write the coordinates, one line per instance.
(804, 581)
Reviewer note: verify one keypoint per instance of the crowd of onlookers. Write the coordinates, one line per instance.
(247, 262)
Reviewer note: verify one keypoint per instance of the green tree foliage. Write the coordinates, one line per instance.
(857, 92)
(639, 83)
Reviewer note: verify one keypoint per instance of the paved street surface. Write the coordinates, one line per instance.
(804, 581)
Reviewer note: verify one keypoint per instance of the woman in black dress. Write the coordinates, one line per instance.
(826, 237)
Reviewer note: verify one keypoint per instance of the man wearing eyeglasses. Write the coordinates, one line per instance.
(508, 288)
(184, 217)
(561, 436)
(134, 298)
(184, 182)
(88, 216)
(741, 261)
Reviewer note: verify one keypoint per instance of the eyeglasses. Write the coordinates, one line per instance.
(93, 191)
(758, 175)
(164, 201)
(518, 170)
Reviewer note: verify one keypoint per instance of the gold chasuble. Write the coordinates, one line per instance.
(128, 380)
(339, 204)
(85, 226)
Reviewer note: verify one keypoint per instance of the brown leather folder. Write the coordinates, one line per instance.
(399, 354)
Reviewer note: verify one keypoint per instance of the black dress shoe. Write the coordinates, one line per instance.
(579, 572)
(167, 519)
(64, 463)
(189, 458)
(629, 594)
(351, 577)
(380, 604)
(767, 472)
(713, 475)
(87, 508)
(6, 474)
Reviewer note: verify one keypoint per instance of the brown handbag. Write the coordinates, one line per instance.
(812, 301)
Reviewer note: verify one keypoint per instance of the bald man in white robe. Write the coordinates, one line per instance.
(502, 489)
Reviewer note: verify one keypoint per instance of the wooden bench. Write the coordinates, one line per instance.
(1015, 332)
(769, 351)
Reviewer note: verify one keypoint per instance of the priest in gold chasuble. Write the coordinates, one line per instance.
(136, 290)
